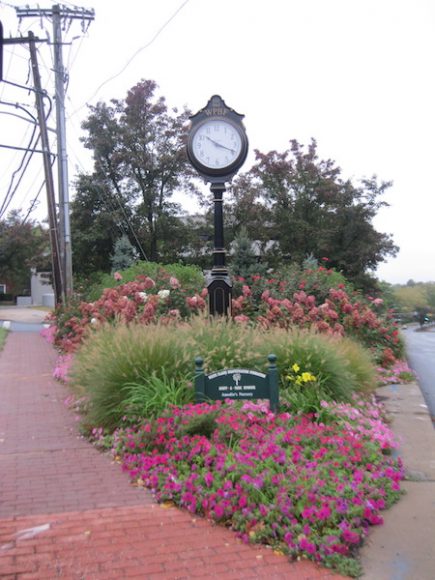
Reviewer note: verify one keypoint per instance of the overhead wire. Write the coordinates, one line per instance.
(35, 200)
(33, 120)
(22, 167)
(24, 161)
(119, 205)
(149, 43)
(28, 154)
(130, 60)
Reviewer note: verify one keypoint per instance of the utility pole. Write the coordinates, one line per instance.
(59, 13)
(62, 157)
(54, 237)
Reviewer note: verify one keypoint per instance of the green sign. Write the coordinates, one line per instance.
(237, 384)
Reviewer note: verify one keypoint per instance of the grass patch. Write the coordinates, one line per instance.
(3, 335)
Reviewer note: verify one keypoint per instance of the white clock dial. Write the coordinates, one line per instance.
(216, 144)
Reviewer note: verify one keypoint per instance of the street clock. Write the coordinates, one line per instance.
(217, 143)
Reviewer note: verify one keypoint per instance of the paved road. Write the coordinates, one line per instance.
(22, 319)
(420, 347)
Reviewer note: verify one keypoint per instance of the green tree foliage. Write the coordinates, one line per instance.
(97, 221)
(302, 202)
(140, 161)
(23, 245)
(414, 299)
(430, 295)
(410, 298)
(123, 254)
(244, 261)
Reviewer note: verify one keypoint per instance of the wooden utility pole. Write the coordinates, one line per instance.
(52, 219)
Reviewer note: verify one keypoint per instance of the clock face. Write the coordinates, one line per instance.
(216, 144)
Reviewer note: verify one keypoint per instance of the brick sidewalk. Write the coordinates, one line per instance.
(67, 511)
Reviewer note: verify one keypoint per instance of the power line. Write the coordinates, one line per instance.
(30, 149)
(121, 207)
(34, 202)
(138, 51)
(23, 166)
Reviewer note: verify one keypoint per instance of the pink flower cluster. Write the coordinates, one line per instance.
(139, 301)
(337, 314)
(62, 367)
(399, 372)
(268, 303)
(307, 488)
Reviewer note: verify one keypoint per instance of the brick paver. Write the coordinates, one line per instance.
(67, 511)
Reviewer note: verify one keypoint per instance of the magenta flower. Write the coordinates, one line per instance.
(274, 479)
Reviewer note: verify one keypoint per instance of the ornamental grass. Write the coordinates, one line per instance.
(120, 364)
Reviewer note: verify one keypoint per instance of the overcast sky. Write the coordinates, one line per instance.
(356, 75)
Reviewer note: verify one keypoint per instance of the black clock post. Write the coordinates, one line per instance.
(217, 147)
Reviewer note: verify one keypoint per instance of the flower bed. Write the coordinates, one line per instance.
(306, 488)
(308, 483)
(266, 303)
(332, 310)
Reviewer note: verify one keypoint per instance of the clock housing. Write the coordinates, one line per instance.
(217, 144)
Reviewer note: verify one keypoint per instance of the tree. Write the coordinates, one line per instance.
(244, 261)
(303, 203)
(23, 245)
(139, 156)
(429, 288)
(98, 219)
(123, 254)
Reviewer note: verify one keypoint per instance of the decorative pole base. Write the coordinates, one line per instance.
(219, 293)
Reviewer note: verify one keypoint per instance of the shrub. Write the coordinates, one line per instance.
(145, 300)
(341, 366)
(301, 299)
(3, 335)
(223, 344)
(191, 278)
(339, 313)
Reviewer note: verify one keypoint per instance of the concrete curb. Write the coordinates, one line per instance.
(404, 547)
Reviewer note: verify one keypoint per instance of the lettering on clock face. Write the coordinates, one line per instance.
(216, 144)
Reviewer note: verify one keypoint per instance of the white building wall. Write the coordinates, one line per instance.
(41, 291)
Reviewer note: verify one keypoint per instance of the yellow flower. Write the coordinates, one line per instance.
(296, 368)
(308, 377)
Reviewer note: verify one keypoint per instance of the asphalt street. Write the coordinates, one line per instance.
(420, 350)
(22, 319)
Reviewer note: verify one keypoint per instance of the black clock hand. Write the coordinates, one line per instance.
(219, 144)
